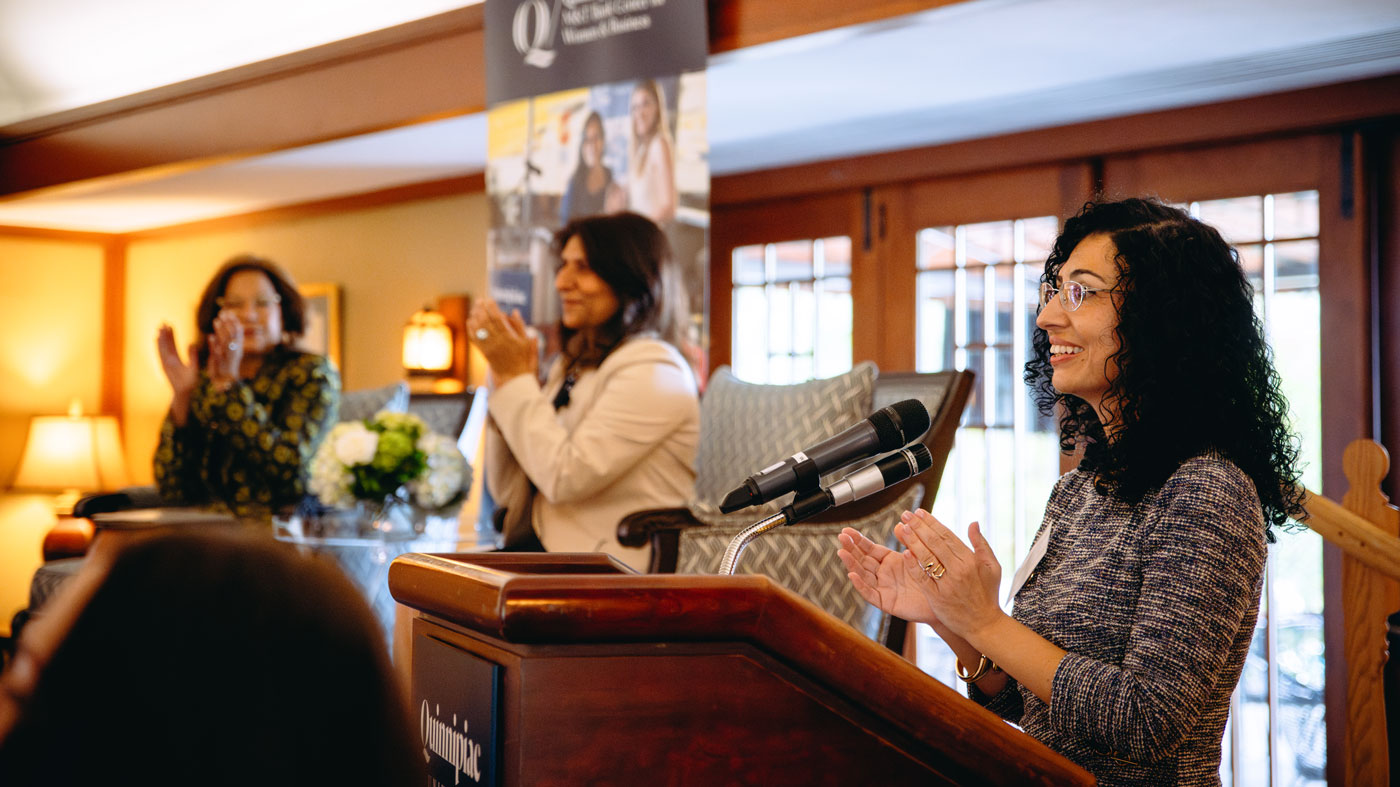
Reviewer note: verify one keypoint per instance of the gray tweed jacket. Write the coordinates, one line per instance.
(1156, 606)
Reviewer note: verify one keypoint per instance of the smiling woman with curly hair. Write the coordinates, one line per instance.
(1193, 371)
(1135, 609)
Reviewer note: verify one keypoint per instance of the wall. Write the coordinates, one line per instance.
(50, 353)
(388, 261)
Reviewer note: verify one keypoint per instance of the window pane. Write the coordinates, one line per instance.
(779, 320)
(748, 265)
(934, 340)
(936, 248)
(976, 288)
(836, 256)
(1295, 265)
(793, 261)
(991, 242)
(1005, 281)
(1039, 238)
(749, 355)
(833, 346)
(976, 412)
(804, 318)
(1006, 385)
(1295, 215)
(1239, 220)
(1252, 261)
(792, 316)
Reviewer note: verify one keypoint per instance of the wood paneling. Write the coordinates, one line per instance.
(113, 325)
(1314, 108)
(735, 24)
(447, 187)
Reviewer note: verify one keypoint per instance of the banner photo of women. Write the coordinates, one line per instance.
(634, 144)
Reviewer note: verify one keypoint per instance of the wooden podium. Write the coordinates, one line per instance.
(539, 669)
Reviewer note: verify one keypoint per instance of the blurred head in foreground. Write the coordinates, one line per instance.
(205, 659)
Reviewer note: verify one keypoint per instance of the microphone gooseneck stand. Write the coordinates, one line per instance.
(810, 500)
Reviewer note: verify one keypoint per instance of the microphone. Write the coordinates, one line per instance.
(898, 466)
(868, 480)
(886, 429)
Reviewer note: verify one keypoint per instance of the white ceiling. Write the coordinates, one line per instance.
(964, 71)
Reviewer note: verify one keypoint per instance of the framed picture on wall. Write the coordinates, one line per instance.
(322, 334)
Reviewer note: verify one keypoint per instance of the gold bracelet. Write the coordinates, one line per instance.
(984, 665)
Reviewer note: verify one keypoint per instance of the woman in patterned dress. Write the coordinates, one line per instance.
(1135, 608)
(247, 409)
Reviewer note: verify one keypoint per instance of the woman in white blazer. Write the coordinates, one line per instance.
(614, 426)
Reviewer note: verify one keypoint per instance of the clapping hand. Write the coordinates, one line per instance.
(961, 584)
(506, 341)
(225, 349)
(183, 374)
(880, 576)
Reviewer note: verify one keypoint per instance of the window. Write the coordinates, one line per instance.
(1277, 733)
(792, 310)
(976, 292)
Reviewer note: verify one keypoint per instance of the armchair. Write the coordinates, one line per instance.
(744, 427)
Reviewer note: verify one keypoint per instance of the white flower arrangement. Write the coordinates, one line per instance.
(388, 458)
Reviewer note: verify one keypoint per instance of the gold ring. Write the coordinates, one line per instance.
(935, 570)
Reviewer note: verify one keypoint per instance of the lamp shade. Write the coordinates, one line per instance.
(427, 343)
(66, 452)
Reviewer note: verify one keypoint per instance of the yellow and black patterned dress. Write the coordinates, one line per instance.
(249, 448)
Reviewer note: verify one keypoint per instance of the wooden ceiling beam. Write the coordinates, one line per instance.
(421, 70)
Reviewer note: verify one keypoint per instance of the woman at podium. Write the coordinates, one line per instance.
(1135, 608)
(614, 426)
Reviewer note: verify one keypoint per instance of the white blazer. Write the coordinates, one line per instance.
(625, 442)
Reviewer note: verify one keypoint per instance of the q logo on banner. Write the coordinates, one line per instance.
(537, 49)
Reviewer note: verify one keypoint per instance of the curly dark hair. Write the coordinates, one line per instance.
(1194, 370)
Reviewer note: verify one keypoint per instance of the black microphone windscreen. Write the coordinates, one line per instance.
(913, 419)
(887, 429)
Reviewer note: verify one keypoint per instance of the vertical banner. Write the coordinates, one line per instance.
(595, 106)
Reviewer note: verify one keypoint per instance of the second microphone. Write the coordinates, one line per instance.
(887, 429)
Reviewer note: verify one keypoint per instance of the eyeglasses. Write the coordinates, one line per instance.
(238, 305)
(1071, 294)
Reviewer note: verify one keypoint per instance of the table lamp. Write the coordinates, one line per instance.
(72, 454)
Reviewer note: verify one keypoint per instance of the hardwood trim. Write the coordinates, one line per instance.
(1346, 396)
(1280, 113)
(46, 233)
(113, 326)
(1385, 233)
(1220, 171)
(447, 187)
(735, 24)
(421, 70)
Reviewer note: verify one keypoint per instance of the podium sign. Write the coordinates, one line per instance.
(456, 702)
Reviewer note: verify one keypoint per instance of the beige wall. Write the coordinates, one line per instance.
(387, 261)
(50, 354)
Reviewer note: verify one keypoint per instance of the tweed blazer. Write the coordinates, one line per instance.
(625, 442)
(1155, 605)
